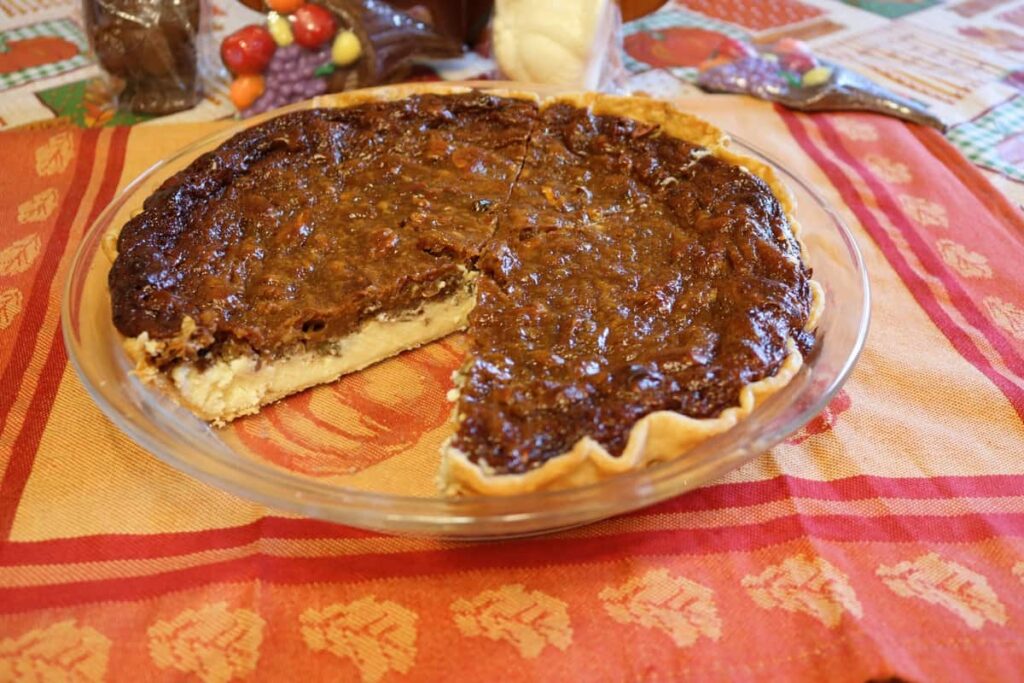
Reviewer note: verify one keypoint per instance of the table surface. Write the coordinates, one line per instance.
(884, 539)
(964, 58)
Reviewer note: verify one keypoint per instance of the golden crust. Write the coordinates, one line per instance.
(672, 122)
(657, 437)
(663, 435)
(391, 93)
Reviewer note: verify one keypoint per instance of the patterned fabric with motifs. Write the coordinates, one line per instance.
(41, 50)
(884, 539)
(962, 58)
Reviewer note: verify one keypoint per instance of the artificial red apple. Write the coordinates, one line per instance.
(312, 25)
(798, 63)
(248, 50)
(794, 55)
(735, 49)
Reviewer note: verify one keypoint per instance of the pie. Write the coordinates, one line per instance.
(629, 286)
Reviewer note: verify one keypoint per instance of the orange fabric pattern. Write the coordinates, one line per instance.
(885, 538)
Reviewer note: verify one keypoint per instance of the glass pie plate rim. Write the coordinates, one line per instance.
(191, 449)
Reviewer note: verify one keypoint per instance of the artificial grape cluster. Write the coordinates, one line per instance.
(786, 66)
(291, 76)
(749, 70)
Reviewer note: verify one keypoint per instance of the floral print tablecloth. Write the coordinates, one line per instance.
(884, 539)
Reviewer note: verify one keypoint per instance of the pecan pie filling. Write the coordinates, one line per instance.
(295, 231)
(631, 273)
(618, 271)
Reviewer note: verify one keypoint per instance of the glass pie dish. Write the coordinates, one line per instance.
(364, 450)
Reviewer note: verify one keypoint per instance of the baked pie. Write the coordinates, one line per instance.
(629, 286)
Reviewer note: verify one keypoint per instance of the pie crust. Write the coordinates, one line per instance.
(229, 388)
(662, 435)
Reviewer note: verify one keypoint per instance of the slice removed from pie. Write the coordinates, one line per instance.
(630, 286)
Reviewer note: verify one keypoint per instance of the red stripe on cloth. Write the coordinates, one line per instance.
(23, 453)
(145, 546)
(958, 337)
(35, 307)
(720, 496)
(519, 554)
(27, 442)
(961, 300)
(861, 487)
(972, 179)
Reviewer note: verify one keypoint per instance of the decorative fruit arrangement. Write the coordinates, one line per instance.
(248, 50)
(786, 65)
(789, 73)
(289, 58)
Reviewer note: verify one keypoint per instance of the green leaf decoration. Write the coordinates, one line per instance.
(324, 70)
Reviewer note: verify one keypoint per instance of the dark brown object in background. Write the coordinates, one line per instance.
(462, 20)
(151, 46)
(392, 40)
(395, 34)
(632, 9)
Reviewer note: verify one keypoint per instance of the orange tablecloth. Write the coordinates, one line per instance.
(884, 539)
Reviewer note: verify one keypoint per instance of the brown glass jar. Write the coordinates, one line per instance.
(151, 46)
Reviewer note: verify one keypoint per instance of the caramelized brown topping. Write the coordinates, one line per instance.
(297, 230)
(630, 273)
(621, 272)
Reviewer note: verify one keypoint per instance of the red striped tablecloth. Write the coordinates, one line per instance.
(884, 539)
